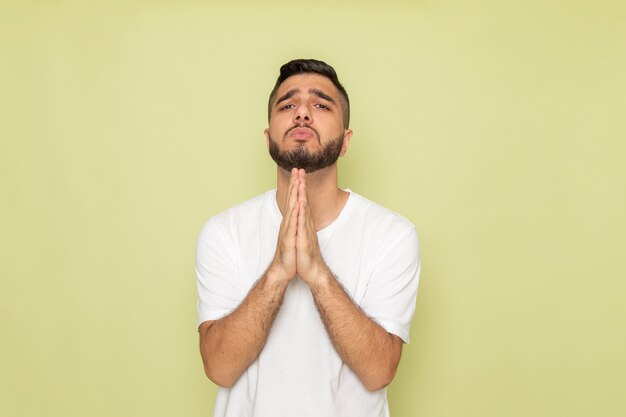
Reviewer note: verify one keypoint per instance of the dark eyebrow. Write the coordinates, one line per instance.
(287, 95)
(313, 91)
(321, 94)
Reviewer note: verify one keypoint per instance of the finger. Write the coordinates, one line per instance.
(310, 226)
(292, 195)
(307, 209)
(302, 176)
(302, 191)
(290, 190)
(302, 228)
(287, 234)
(305, 214)
(291, 224)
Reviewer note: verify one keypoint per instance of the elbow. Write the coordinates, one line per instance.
(380, 373)
(214, 366)
(378, 380)
(217, 372)
(219, 377)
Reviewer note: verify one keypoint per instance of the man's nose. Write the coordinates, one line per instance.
(302, 115)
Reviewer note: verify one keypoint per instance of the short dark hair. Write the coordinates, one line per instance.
(308, 66)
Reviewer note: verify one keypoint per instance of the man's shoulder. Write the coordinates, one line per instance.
(376, 214)
(245, 213)
(383, 232)
(254, 205)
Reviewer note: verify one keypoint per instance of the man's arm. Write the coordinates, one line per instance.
(368, 349)
(229, 345)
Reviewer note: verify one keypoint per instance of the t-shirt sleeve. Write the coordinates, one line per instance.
(216, 271)
(392, 290)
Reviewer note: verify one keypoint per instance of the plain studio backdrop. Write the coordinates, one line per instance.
(497, 128)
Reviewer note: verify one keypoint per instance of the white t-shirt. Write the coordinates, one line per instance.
(371, 250)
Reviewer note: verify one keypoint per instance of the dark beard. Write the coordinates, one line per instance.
(301, 158)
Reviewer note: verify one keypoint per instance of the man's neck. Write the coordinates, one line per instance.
(326, 199)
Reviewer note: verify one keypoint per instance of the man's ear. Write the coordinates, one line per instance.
(267, 137)
(347, 135)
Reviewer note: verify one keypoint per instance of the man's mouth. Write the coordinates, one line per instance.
(302, 133)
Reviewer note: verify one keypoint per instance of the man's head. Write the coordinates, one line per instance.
(311, 66)
(308, 114)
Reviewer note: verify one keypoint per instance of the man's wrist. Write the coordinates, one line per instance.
(276, 276)
(323, 280)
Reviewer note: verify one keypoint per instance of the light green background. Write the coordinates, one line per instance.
(498, 128)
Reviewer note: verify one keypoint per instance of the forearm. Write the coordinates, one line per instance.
(229, 345)
(368, 349)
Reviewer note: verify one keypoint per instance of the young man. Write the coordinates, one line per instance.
(306, 293)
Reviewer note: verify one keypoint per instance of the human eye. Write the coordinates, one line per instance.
(286, 106)
(322, 106)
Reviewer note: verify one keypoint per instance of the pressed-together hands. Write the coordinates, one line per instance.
(297, 249)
